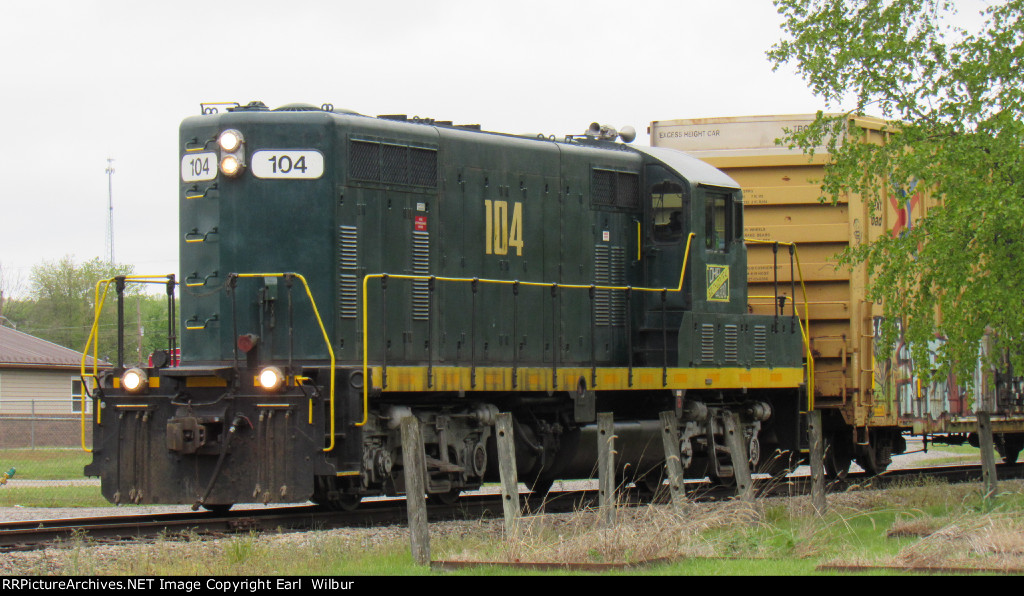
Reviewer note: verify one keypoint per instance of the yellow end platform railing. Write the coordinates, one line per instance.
(805, 324)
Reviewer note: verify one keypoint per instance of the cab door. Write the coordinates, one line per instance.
(668, 222)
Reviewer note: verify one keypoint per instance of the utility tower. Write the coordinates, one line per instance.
(109, 248)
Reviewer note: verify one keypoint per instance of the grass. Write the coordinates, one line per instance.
(955, 454)
(54, 496)
(922, 523)
(45, 464)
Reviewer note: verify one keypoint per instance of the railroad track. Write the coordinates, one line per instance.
(34, 534)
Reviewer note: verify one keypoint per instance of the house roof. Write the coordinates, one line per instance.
(21, 350)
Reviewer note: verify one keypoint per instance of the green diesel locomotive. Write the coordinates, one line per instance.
(340, 273)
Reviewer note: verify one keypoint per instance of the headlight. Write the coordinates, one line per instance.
(230, 140)
(134, 380)
(271, 378)
(230, 165)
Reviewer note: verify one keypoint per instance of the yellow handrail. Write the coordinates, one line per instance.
(804, 330)
(507, 282)
(93, 339)
(327, 340)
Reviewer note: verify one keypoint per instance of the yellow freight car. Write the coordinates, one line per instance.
(867, 403)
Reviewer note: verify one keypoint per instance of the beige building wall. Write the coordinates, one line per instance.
(41, 392)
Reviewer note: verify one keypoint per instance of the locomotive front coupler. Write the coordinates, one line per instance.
(239, 418)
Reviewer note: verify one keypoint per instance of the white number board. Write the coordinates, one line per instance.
(196, 167)
(287, 164)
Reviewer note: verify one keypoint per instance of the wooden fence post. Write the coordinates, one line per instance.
(673, 465)
(740, 459)
(507, 469)
(988, 456)
(606, 466)
(816, 436)
(415, 464)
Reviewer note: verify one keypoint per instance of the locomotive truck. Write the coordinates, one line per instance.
(341, 273)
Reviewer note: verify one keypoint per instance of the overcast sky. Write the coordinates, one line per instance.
(82, 81)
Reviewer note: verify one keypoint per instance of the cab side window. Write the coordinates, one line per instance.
(718, 234)
(668, 208)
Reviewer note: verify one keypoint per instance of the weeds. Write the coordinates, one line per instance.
(919, 525)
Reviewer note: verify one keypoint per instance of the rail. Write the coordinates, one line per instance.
(805, 325)
(323, 331)
(93, 340)
(516, 284)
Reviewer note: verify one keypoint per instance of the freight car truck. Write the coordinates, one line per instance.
(867, 403)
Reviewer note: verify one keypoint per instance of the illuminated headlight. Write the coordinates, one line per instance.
(134, 380)
(230, 165)
(271, 378)
(230, 140)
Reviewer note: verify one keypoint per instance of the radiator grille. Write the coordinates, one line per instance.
(395, 167)
(393, 164)
(615, 189)
(365, 161)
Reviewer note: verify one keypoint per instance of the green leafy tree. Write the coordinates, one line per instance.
(955, 97)
(63, 298)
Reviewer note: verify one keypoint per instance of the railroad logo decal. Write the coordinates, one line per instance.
(718, 283)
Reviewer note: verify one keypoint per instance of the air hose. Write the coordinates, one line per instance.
(220, 461)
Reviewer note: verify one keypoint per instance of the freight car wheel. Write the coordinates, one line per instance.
(837, 460)
(1009, 447)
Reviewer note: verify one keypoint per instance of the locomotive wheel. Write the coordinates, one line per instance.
(652, 486)
(341, 503)
(346, 502)
(779, 463)
(541, 486)
(723, 481)
(447, 498)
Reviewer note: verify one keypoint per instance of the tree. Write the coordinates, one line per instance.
(64, 297)
(955, 97)
(11, 307)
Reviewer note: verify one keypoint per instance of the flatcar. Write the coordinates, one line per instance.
(341, 273)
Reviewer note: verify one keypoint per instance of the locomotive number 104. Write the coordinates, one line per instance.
(499, 233)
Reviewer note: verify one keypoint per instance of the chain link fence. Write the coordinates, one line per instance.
(33, 424)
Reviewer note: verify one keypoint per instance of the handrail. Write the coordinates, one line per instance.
(93, 339)
(320, 322)
(94, 332)
(508, 282)
(805, 326)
